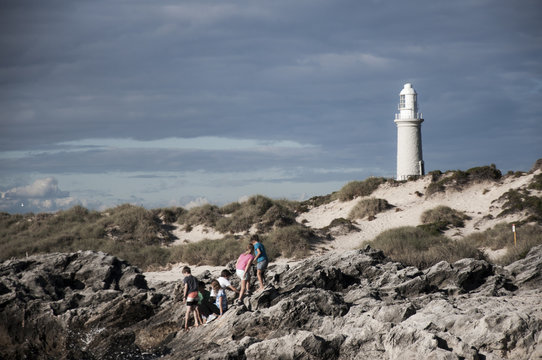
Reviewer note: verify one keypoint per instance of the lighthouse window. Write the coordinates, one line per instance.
(402, 101)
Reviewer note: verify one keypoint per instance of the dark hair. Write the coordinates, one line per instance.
(254, 238)
(225, 273)
(186, 270)
(251, 248)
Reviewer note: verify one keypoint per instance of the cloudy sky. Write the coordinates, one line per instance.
(174, 103)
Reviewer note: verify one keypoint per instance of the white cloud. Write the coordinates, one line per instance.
(41, 188)
(42, 195)
(195, 203)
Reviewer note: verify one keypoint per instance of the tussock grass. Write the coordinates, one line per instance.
(259, 210)
(416, 247)
(127, 231)
(129, 223)
(208, 252)
(502, 237)
(230, 208)
(290, 241)
(169, 215)
(316, 201)
(536, 183)
(458, 179)
(521, 201)
(368, 208)
(442, 217)
(354, 189)
(201, 215)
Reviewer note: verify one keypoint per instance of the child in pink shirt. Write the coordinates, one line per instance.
(242, 270)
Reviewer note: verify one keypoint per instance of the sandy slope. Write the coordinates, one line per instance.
(198, 233)
(477, 201)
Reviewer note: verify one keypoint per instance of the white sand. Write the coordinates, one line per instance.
(198, 233)
(477, 201)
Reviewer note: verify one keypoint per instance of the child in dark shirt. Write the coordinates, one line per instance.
(190, 294)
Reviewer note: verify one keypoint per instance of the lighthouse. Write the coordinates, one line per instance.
(409, 135)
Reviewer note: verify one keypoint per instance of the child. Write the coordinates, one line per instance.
(190, 295)
(205, 306)
(242, 270)
(224, 281)
(221, 301)
(260, 258)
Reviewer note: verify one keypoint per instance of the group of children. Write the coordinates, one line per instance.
(199, 301)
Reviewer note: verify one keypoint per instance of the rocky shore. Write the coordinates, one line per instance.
(341, 305)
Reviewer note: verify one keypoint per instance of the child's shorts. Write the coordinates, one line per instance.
(262, 265)
(192, 299)
(242, 274)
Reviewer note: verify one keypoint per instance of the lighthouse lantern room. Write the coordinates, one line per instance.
(409, 136)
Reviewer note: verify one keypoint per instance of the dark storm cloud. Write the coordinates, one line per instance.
(314, 72)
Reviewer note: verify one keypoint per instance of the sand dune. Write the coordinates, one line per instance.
(478, 201)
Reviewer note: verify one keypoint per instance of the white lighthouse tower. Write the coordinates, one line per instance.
(409, 135)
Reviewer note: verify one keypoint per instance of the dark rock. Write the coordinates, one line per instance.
(343, 305)
(78, 305)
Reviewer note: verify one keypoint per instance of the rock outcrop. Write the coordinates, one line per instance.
(350, 305)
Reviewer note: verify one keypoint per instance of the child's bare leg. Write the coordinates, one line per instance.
(200, 318)
(197, 320)
(260, 279)
(186, 318)
(243, 289)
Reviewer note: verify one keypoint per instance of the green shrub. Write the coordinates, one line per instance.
(359, 188)
(502, 237)
(339, 222)
(169, 215)
(290, 241)
(435, 175)
(537, 165)
(201, 215)
(259, 210)
(457, 179)
(143, 257)
(316, 201)
(135, 231)
(518, 201)
(209, 252)
(484, 173)
(442, 217)
(368, 207)
(134, 224)
(230, 208)
(536, 183)
(416, 247)
(276, 216)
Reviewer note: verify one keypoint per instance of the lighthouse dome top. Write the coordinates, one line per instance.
(408, 90)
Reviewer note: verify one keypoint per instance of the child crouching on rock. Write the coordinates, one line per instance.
(221, 301)
(190, 295)
(207, 309)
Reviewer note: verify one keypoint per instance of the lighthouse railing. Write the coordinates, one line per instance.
(408, 116)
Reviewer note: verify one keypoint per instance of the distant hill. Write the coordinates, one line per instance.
(477, 206)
